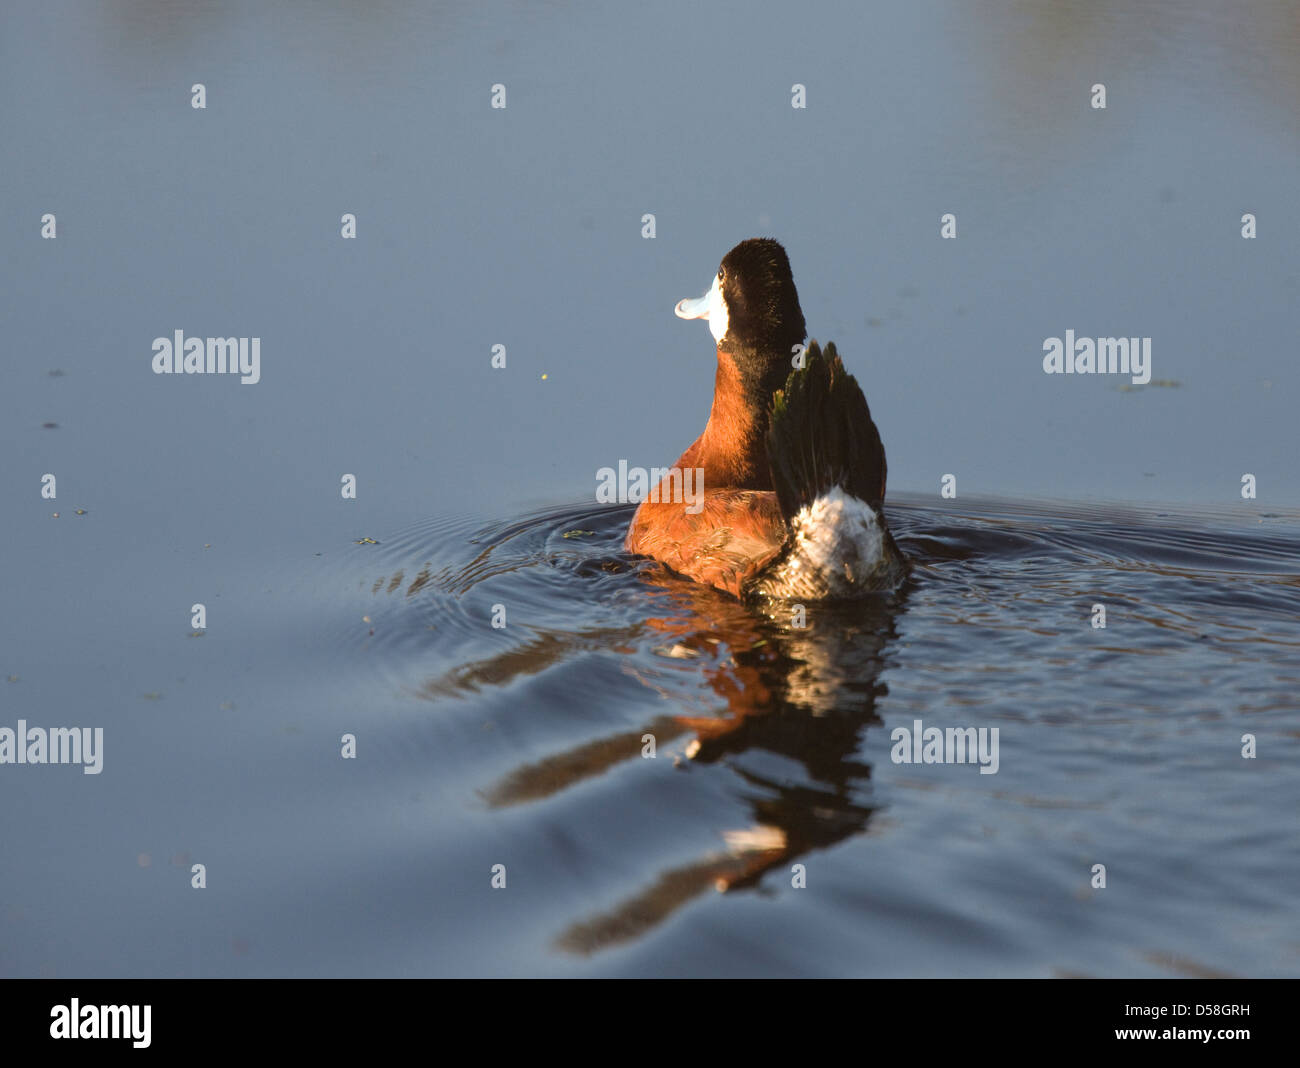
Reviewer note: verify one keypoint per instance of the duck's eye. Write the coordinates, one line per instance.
(719, 274)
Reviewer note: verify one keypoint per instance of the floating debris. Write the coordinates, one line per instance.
(578, 533)
(677, 652)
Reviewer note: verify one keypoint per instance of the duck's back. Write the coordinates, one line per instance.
(728, 542)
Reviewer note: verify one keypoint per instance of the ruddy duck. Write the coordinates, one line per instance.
(793, 466)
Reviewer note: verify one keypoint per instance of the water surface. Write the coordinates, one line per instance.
(522, 745)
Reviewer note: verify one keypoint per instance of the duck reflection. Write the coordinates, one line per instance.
(783, 709)
(803, 693)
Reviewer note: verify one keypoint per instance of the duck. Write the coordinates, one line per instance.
(790, 468)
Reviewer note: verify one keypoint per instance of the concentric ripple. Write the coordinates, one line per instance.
(524, 665)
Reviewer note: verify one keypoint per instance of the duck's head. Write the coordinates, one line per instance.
(752, 306)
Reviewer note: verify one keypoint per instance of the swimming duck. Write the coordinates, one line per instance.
(792, 465)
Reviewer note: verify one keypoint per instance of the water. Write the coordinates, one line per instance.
(525, 746)
(522, 745)
(1119, 746)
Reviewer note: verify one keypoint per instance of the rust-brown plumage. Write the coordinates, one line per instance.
(740, 527)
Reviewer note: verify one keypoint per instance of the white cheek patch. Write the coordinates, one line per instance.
(712, 306)
(718, 319)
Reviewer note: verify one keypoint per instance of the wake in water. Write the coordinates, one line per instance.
(785, 710)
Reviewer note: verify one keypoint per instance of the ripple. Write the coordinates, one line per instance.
(765, 731)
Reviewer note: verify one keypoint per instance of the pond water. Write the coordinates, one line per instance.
(525, 745)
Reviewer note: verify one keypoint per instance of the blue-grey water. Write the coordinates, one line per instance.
(522, 745)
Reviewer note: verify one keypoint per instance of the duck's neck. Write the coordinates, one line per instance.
(733, 447)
